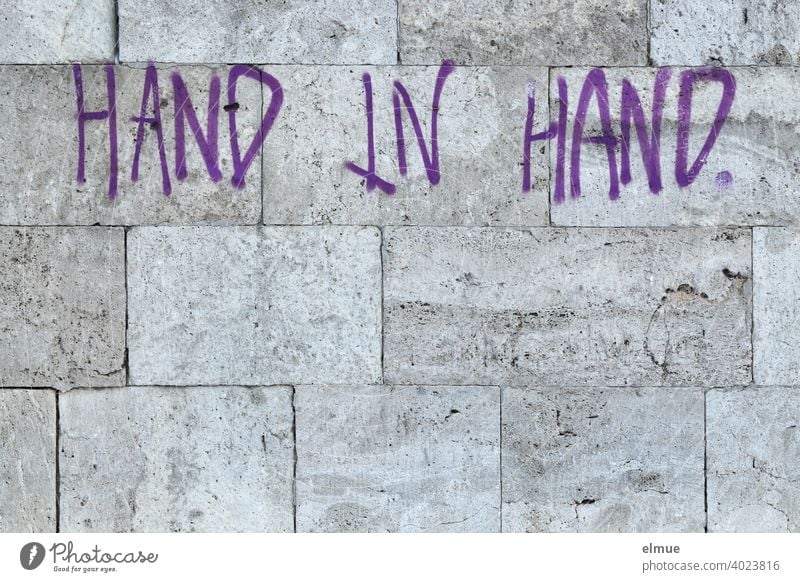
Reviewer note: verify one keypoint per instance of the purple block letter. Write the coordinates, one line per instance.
(370, 176)
(595, 83)
(150, 91)
(631, 110)
(208, 143)
(241, 165)
(689, 77)
(429, 159)
(84, 116)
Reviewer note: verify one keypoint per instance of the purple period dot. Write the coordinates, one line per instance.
(723, 180)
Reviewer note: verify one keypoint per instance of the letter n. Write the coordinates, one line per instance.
(208, 142)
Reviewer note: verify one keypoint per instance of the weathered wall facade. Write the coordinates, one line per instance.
(394, 265)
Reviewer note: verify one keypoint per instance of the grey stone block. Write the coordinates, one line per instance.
(560, 32)
(213, 459)
(603, 460)
(567, 306)
(39, 150)
(57, 31)
(27, 461)
(194, 31)
(398, 458)
(481, 123)
(745, 32)
(250, 305)
(776, 293)
(749, 176)
(753, 447)
(62, 307)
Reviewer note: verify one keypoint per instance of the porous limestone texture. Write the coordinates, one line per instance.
(744, 32)
(177, 460)
(57, 31)
(254, 305)
(567, 306)
(62, 307)
(753, 447)
(398, 458)
(603, 460)
(554, 32)
(294, 31)
(27, 461)
(776, 296)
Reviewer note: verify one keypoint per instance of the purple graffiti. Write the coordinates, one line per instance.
(631, 110)
(401, 99)
(595, 84)
(149, 91)
(83, 116)
(556, 129)
(184, 115)
(683, 176)
(632, 117)
(370, 175)
(723, 180)
(532, 137)
(635, 125)
(241, 165)
(208, 142)
(431, 161)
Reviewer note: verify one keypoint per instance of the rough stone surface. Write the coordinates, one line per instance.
(467, 356)
(753, 447)
(62, 307)
(567, 306)
(405, 458)
(295, 31)
(27, 461)
(759, 147)
(481, 121)
(603, 460)
(175, 460)
(39, 150)
(251, 305)
(556, 32)
(57, 31)
(745, 32)
(776, 295)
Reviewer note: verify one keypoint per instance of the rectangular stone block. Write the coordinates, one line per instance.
(776, 293)
(753, 447)
(40, 153)
(747, 177)
(27, 461)
(603, 460)
(567, 307)
(251, 305)
(57, 31)
(480, 119)
(398, 458)
(745, 32)
(193, 31)
(62, 307)
(201, 459)
(559, 32)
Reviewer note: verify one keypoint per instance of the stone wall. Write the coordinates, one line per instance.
(399, 265)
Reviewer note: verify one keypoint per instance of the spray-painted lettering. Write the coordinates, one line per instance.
(614, 136)
(150, 115)
(632, 119)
